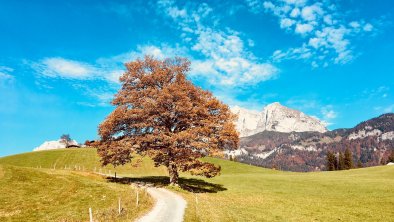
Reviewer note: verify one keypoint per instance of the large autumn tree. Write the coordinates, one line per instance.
(160, 113)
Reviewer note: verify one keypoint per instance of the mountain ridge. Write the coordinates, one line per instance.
(370, 142)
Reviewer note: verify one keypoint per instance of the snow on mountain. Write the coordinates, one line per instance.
(275, 117)
(54, 144)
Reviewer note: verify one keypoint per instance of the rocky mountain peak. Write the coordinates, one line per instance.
(275, 117)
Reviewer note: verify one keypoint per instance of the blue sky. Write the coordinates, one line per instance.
(60, 60)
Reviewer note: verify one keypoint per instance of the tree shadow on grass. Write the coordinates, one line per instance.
(189, 184)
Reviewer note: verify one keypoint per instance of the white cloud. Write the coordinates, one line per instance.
(316, 42)
(286, 23)
(328, 20)
(328, 112)
(222, 55)
(64, 68)
(310, 13)
(326, 33)
(269, 6)
(354, 24)
(107, 69)
(113, 76)
(303, 28)
(368, 27)
(328, 115)
(233, 72)
(254, 5)
(107, 74)
(295, 12)
(175, 12)
(296, 2)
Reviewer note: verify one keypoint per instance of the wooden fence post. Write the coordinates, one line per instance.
(138, 198)
(119, 207)
(90, 215)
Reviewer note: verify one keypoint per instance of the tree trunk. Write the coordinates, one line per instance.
(173, 173)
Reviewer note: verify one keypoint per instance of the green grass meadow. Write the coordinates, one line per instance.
(29, 193)
(241, 193)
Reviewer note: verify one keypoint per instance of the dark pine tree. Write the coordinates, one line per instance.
(331, 159)
(348, 159)
(341, 161)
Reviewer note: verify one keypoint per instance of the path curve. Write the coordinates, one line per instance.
(169, 207)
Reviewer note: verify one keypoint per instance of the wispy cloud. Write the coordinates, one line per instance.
(385, 109)
(315, 107)
(98, 81)
(328, 112)
(389, 109)
(102, 75)
(326, 34)
(376, 93)
(100, 95)
(64, 68)
(5, 74)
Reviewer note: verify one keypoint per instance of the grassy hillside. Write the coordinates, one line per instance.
(81, 159)
(29, 194)
(248, 193)
(256, 194)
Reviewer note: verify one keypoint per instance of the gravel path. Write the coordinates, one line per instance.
(169, 207)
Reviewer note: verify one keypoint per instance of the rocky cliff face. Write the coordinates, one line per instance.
(247, 121)
(275, 117)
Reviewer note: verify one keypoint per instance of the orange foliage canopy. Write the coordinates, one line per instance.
(162, 114)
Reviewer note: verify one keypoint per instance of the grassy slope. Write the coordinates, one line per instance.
(78, 158)
(255, 194)
(247, 193)
(30, 194)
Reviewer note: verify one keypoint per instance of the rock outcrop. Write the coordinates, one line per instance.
(277, 118)
(246, 123)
